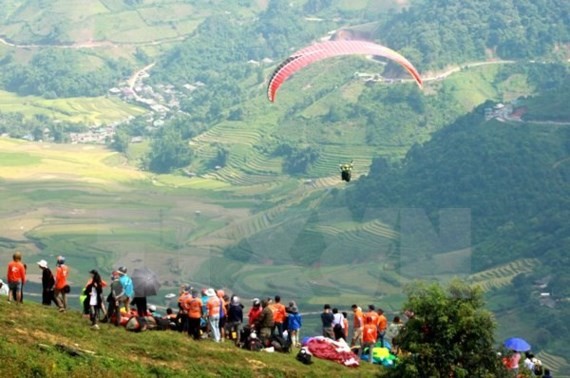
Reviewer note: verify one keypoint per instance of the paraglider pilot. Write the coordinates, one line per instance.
(346, 171)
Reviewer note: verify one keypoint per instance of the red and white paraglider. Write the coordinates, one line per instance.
(329, 49)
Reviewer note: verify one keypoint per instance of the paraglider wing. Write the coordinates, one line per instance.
(324, 50)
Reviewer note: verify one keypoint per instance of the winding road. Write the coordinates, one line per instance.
(89, 44)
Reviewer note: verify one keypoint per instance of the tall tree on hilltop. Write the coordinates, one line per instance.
(450, 335)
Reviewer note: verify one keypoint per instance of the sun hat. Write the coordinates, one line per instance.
(152, 308)
(42, 264)
(210, 292)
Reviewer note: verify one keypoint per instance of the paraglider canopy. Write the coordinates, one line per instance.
(324, 50)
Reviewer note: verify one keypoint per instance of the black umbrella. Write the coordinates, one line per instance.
(145, 282)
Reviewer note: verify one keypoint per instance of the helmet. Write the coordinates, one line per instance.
(256, 301)
(152, 308)
(123, 270)
(60, 260)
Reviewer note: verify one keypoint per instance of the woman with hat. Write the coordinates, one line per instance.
(48, 282)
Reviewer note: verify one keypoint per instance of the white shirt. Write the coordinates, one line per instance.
(93, 299)
(338, 319)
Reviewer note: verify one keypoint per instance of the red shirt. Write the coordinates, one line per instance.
(61, 276)
(16, 272)
(254, 314)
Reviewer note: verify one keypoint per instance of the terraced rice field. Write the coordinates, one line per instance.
(554, 363)
(88, 110)
(502, 275)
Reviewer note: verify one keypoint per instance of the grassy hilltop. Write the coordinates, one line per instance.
(31, 334)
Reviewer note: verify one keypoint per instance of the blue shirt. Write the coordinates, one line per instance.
(294, 321)
(127, 285)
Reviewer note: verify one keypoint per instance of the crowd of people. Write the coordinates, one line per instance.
(214, 314)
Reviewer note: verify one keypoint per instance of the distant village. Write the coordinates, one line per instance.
(511, 111)
(162, 101)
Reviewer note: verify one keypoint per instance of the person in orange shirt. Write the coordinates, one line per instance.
(61, 287)
(279, 315)
(193, 308)
(372, 314)
(16, 278)
(358, 324)
(214, 305)
(369, 336)
(382, 325)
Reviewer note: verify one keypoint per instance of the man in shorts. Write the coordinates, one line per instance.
(16, 278)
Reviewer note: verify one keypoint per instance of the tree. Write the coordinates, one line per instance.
(450, 335)
(121, 141)
(168, 151)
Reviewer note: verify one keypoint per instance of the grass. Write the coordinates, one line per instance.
(17, 159)
(79, 163)
(84, 20)
(88, 110)
(30, 333)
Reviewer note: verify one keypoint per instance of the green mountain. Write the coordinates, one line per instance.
(512, 179)
(446, 32)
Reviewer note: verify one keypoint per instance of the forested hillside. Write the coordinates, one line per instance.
(442, 32)
(514, 179)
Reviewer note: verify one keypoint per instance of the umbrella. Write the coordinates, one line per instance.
(517, 344)
(145, 282)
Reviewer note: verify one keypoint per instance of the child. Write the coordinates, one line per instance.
(295, 322)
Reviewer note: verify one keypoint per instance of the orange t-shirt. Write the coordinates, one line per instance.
(358, 319)
(373, 315)
(61, 276)
(16, 272)
(382, 323)
(194, 307)
(279, 312)
(214, 304)
(370, 333)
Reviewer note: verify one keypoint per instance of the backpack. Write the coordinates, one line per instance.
(133, 324)
(304, 356)
(117, 290)
(163, 324)
(254, 344)
(280, 344)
